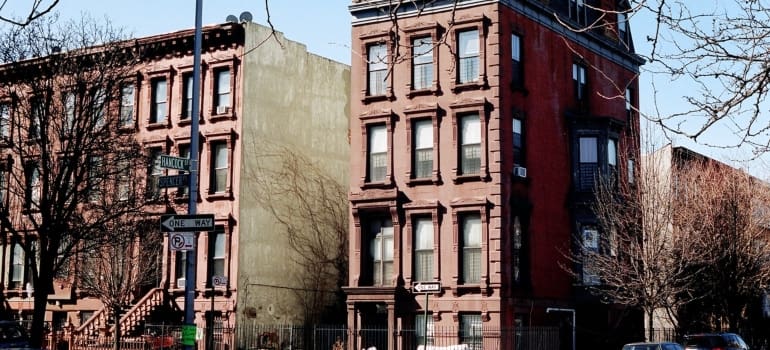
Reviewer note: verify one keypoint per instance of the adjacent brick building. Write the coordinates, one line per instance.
(477, 131)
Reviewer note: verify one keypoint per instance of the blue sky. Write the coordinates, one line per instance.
(324, 26)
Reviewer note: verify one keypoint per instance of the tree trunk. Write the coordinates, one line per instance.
(650, 331)
(116, 336)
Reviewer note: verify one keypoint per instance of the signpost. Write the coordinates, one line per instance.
(181, 180)
(426, 288)
(171, 162)
(195, 223)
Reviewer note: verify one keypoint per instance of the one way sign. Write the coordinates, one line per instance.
(178, 223)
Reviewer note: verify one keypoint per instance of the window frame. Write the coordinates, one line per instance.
(122, 125)
(368, 239)
(422, 31)
(579, 82)
(460, 208)
(228, 138)
(517, 65)
(479, 24)
(221, 230)
(412, 115)
(229, 64)
(32, 185)
(459, 110)
(6, 120)
(413, 211)
(367, 120)
(521, 148)
(578, 12)
(161, 145)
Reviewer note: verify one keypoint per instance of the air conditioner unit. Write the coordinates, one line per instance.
(180, 283)
(520, 171)
(223, 109)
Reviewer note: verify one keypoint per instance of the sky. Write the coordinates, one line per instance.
(324, 27)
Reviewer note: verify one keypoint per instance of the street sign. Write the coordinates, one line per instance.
(181, 180)
(219, 281)
(426, 287)
(171, 162)
(181, 241)
(177, 223)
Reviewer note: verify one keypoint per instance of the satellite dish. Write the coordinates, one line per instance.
(231, 19)
(246, 16)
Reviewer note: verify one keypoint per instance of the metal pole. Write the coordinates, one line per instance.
(425, 324)
(189, 293)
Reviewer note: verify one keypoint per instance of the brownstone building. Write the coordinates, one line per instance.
(478, 129)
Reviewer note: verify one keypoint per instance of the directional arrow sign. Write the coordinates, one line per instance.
(176, 223)
(427, 287)
(181, 180)
(171, 162)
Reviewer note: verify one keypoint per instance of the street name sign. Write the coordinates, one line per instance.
(181, 180)
(171, 162)
(426, 287)
(181, 241)
(178, 223)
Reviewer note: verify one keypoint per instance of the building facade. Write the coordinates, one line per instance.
(478, 130)
(248, 91)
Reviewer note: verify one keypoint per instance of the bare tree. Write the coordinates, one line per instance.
(117, 272)
(731, 237)
(638, 259)
(70, 161)
(31, 10)
(310, 205)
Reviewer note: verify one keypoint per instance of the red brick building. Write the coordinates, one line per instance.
(477, 131)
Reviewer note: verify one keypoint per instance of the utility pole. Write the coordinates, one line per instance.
(189, 293)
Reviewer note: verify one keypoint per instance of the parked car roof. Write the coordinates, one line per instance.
(653, 346)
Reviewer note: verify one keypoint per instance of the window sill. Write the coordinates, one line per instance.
(433, 90)
(463, 289)
(473, 85)
(468, 178)
(220, 117)
(155, 126)
(380, 184)
(375, 98)
(435, 180)
(219, 195)
(130, 128)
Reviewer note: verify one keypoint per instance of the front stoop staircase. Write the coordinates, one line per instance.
(132, 320)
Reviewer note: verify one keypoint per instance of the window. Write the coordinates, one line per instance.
(423, 148)
(422, 63)
(579, 81)
(17, 266)
(38, 110)
(630, 170)
(181, 269)
(471, 248)
(222, 91)
(629, 105)
(470, 330)
(381, 251)
(127, 106)
(423, 329)
(588, 163)
(98, 101)
(187, 96)
(377, 59)
(468, 56)
(159, 107)
(155, 171)
(423, 249)
(124, 179)
(517, 69)
(623, 27)
(69, 114)
(3, 189)
(377, 153)
(5, 121)
(577, 11)
(95, 164)
(32, 194)
(518, 143)
(470, 144)
(590, 245)
(184, 152)
(217, 253)
(517, 249)
(612, 159)
(219, 169)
